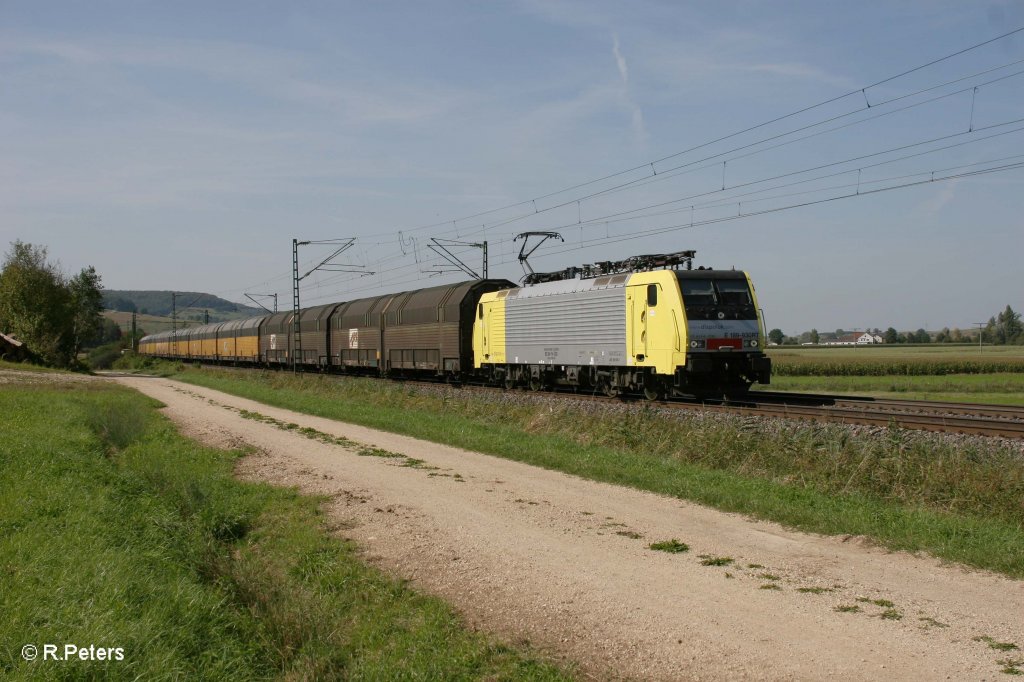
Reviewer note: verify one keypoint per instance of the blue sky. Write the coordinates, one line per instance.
(183, 145)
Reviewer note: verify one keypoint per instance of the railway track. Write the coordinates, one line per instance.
(985, 420)
(1004, 421)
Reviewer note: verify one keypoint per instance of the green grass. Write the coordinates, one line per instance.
(117, 532)
(930, 622)
(905, 490)
(884, 603)
(26, 367)
(998, 646)
(672, 546)
(1012, 666)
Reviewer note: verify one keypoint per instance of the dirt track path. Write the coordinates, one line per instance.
(541, 556)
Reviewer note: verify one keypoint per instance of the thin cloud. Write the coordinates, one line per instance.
(620, 61)
(277, 74)
(945, 195)
(636, 113)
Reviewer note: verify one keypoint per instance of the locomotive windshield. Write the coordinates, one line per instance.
(698, 292)
(707, 293)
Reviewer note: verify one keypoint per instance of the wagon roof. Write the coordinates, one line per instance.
(448, 294)
(247, 323)
(320, 312)
(363, 305)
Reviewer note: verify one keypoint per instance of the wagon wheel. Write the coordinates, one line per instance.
(610, 390)
(536, 384)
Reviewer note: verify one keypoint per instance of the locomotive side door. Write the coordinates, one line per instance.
(636, 323)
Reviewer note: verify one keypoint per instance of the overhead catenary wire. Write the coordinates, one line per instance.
(607, 217)
(664, 174)
(604, 219)
(669, 173)
(931, 175)
(651, 164)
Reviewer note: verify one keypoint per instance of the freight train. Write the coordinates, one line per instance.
(648, 324)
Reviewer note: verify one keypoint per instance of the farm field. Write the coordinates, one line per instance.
(899, 351)
(940, 372)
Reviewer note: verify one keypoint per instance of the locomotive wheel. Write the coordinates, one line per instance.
(510, 381)
(653, 392)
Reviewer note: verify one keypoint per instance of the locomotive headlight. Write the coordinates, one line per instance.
(693, 344)
(753, 343)
(697, 343)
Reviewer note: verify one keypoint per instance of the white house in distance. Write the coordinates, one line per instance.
(854, 339)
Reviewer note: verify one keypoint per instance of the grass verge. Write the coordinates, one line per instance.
(117, 532)
(960, 501)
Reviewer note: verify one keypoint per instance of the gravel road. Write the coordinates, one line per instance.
(564, 563)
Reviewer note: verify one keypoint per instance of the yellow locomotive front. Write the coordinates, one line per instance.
(724, 334)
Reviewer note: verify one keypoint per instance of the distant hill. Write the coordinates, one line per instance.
(190, 304)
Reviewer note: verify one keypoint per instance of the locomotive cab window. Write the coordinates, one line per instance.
(480, 310)
(734, 292)
(652, 295)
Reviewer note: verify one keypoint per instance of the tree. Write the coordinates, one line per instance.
(815, 337)
(990, 332)
(1008, 326)
(109, 332)
(891, 335)
(35, 302)
(776, 336)
(53, 315)
(920, 336)
(86, 307)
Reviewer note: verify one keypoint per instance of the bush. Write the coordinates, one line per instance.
(103, 357)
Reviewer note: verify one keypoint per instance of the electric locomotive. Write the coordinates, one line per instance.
(648, 323)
